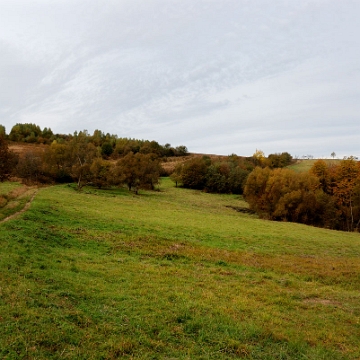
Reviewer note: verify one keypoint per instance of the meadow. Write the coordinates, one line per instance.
(306, 165)
(171, 274)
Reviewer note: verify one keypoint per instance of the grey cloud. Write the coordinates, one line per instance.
(203, 73)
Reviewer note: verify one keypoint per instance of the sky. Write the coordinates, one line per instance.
(219, 76)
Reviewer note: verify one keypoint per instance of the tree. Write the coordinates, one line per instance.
(347, 182)
(333, 154)
(100, 173)
(258, 157)
(82, 154)
(137, 171)
(2, 131)
(58, 162)
(278, 160)
(106, 149)
(29, 167)
(193, 173)
(7, 159)
(176, 175)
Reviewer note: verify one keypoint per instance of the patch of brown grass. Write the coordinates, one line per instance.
(3, 201)
(22, 148)
(323, 268)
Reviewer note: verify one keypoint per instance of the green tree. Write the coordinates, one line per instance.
(176, 175)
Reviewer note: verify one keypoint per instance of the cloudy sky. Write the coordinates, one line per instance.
(219, 76)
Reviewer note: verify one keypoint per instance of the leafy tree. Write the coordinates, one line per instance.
(181, 150)
(282, 194)
(106, 149)
(25, 133)
(347, 181)
(194, 173)
(137, 171)
(278, 160)
(29, 167)
(333, 154)
(321, 171)
(58, 162)
(2, 131)
(82, 154)
(7, 159)
(176, 175)
(258, 158)
(100, 173)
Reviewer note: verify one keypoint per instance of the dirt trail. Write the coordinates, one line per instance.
(26, 207)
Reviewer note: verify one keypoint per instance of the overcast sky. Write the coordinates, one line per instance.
(219, 76)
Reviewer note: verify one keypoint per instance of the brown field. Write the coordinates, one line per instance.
(22, 148)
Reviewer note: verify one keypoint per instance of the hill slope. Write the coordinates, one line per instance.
(172, 274)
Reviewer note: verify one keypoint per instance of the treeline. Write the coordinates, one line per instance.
(326, 196)
(108, 145)
(80, 160)
(224, 175)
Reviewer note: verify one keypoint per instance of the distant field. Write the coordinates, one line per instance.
(305, 165)
(172, 274)
(22, 148)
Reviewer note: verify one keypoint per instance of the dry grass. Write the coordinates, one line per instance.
(23, 148)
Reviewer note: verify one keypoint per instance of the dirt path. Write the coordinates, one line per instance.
(26, 207)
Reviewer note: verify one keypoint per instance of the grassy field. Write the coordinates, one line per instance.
(13, 198)
(172, 274)
(306, 165)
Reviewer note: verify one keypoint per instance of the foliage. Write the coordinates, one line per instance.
(8, 159)
(108, 145)
(213, 175)
(193, 173)
(258, 157)
(2, 131)
(100, 172)
(30, 133)
(328, 195)
(29, 168)
(137, 171)
(278, 160)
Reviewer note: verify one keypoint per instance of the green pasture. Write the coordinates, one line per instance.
(306, 165)
(172, 274)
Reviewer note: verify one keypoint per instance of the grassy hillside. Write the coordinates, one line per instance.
(306, 165)
(174, 274)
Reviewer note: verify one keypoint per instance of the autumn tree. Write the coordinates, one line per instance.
(2, 131)
(194, 173)
(345, 192)
(7, 159)
(176, 175)
(258, 158)
(278, 160)
(58, 162)
(29, 167)
(282, 194)
(137, 171)
(100, 171)
(82, 154)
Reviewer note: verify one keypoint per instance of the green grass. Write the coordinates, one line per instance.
(175, 274)
(306, 165)
(13, 198)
